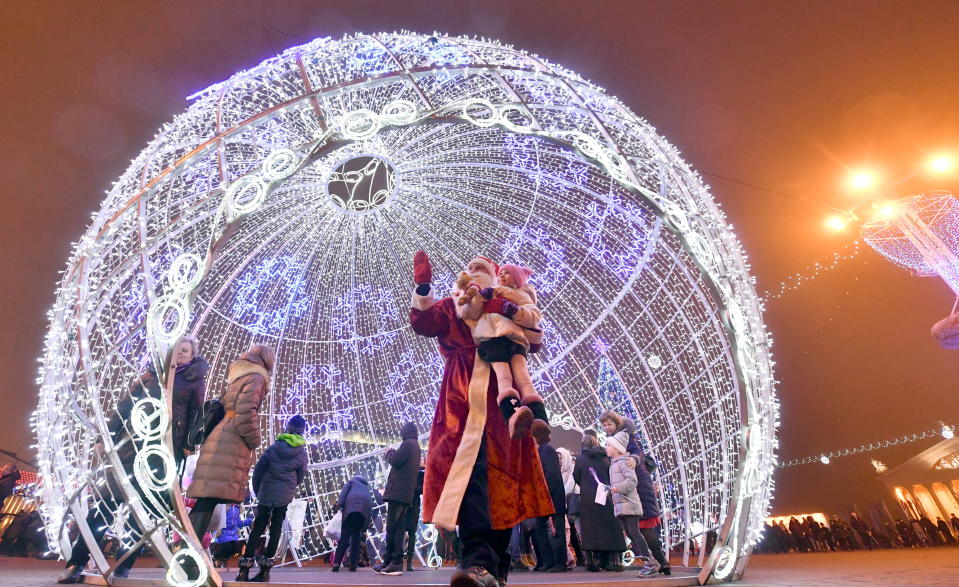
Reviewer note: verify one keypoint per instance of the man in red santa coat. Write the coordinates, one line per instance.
(476, 476)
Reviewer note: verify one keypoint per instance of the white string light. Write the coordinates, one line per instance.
(796, 280)
(943, 431)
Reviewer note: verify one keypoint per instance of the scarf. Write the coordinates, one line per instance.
(293, 440)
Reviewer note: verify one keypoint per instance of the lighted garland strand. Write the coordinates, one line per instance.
(945, 431)
(796, 280)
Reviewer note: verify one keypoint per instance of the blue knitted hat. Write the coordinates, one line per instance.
(296, 425)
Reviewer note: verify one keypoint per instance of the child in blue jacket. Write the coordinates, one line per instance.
(281, 468)
(228, 542)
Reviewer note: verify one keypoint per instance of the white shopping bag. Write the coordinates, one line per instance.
(334, 527)
(601, 494)
(296, 515)
(601, 490)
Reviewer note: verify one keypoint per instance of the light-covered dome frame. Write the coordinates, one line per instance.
(599, 129)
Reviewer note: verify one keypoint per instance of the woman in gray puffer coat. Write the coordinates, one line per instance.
(275, 479)
(226, 456)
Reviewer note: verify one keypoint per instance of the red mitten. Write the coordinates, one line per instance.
(500, 306)
(422, 270)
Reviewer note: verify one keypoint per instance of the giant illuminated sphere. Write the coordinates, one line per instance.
(284, 207)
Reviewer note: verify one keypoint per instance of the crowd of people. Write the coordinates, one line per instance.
(220, 480)
(809, 535)
(585, 509)
(604, 501)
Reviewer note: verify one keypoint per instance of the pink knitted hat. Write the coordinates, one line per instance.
(520, 274)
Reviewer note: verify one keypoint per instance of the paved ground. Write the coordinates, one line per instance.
(920, 566)
(928, 566)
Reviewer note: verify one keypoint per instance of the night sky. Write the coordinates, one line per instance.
(783, 96)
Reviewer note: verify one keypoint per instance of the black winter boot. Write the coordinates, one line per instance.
(72, 574)
(519, 418)
(246, 563)
(508, 401)
(591, 565)
(264, 575)
(540, 428)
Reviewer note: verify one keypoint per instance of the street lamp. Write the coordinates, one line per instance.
(947, 432)
(941, 164)
(861, 180)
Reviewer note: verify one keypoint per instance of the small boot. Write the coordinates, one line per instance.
(72, 574)
(518, 417)
(540, 428)
(591, 565)
(264, 575)
(246, 563)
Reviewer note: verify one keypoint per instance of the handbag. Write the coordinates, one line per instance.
(334, 527)
(650, 463)
(213, 414)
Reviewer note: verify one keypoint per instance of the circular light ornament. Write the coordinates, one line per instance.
(177, 574)
(168, 318)
(149, 419)
(399, 112)
(481, 112)
(245, 195)
(362, 184)
(280, 164)
(185, 273)
(490, 151)
(155, 478)
(360, 124)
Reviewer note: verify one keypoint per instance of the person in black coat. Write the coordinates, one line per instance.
(550, 537)
(413, 518)
(355, 505)
(400, 487)
(602, 537)
(189, 391)
(278, 472)
(944, 530)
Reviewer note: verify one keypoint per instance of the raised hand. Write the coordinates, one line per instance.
(422, 270)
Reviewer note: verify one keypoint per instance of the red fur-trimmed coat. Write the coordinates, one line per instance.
(517, 487)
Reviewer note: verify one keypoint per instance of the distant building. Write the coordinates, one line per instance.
(927, 483)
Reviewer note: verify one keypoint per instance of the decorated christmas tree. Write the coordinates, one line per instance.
(611, 391)
(613, 394)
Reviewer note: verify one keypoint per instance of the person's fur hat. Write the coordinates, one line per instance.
(262, 355)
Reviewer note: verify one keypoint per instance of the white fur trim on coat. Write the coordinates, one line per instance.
(448, 507)
(419, 302)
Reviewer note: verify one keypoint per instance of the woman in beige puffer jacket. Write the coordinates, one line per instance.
(226, 456)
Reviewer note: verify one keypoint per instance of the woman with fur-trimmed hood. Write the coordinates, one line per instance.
(226, 456)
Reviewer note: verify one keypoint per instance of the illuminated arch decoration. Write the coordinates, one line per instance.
(224, 227)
